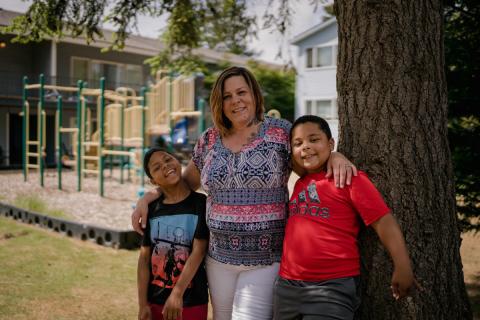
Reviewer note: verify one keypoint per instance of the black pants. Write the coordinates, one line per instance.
(300, 300)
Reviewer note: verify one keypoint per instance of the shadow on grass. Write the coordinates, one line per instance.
(473, 289)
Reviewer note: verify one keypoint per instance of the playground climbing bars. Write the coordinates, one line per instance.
(122, 123)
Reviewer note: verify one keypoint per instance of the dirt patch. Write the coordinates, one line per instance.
(10, 235)
(470, 251)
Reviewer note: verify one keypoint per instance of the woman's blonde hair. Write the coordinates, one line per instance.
(220, 121)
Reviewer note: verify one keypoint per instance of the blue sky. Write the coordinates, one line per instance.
(268, 42)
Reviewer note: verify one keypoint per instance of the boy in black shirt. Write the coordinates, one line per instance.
(172, 282)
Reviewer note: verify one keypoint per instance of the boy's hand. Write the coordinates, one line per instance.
(402, 281)
(342, 169)
(172, 310)
(144, 313)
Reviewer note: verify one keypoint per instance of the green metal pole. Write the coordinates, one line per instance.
(144, 105)
(24, 127)
(84, 129)
(79, 135)
(122, 133)
(59, 139)
(101, 140)
(170, 106)
(40, 138)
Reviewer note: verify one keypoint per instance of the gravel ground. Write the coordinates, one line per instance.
(113, 210)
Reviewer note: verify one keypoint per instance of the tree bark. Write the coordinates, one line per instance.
(392, 105)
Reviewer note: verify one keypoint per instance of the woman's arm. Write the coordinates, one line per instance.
(139, 214)
(391, 237)
(174, 304)
(143, 276)
(190, 174)
(342, 169)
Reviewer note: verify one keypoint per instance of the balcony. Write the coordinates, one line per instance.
(11, 85)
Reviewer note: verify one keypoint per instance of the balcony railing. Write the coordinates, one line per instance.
(11, 84)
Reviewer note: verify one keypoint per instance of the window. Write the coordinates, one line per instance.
(110, 71)
(133, 74)
(308, 107)
(324, 57)
(322, 108)
(309, 58)
(321, 56)
(79, 69)
(116, 74)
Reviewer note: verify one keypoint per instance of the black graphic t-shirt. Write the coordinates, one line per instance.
(170, 231)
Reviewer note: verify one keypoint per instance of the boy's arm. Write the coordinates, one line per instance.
(174, 304)
(143, 277)
(391, 237)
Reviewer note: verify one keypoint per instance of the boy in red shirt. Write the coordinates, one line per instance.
(320, 262)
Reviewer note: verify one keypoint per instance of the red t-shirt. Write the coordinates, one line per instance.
(321, 233)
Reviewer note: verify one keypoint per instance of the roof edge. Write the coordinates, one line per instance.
(305, 34)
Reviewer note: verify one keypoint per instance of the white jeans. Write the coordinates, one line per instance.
(241, 292)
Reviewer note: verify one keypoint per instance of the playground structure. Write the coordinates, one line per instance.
(170, 99)
(125, 121)
(274, 113)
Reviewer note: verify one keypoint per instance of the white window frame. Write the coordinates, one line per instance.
(333, 106)
(334, 49)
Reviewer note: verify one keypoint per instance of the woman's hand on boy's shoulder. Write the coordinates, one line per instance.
(341, 168)
(138, 222)
(139, 214)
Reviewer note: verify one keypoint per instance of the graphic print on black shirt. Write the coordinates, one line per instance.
(172, 236)
(171, 230)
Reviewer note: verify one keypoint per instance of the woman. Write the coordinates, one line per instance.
(242, 163)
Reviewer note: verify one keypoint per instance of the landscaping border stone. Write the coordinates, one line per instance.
(118, 239)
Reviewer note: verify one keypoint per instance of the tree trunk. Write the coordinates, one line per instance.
(392, 104)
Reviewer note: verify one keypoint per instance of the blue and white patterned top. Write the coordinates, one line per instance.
(247, 194)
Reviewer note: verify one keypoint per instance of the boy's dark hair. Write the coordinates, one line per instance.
(322, 124)
(148, 155)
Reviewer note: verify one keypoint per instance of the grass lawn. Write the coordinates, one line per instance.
(48, 276)
(45, 275)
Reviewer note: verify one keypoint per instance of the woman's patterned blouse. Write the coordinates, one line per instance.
(247, 194)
